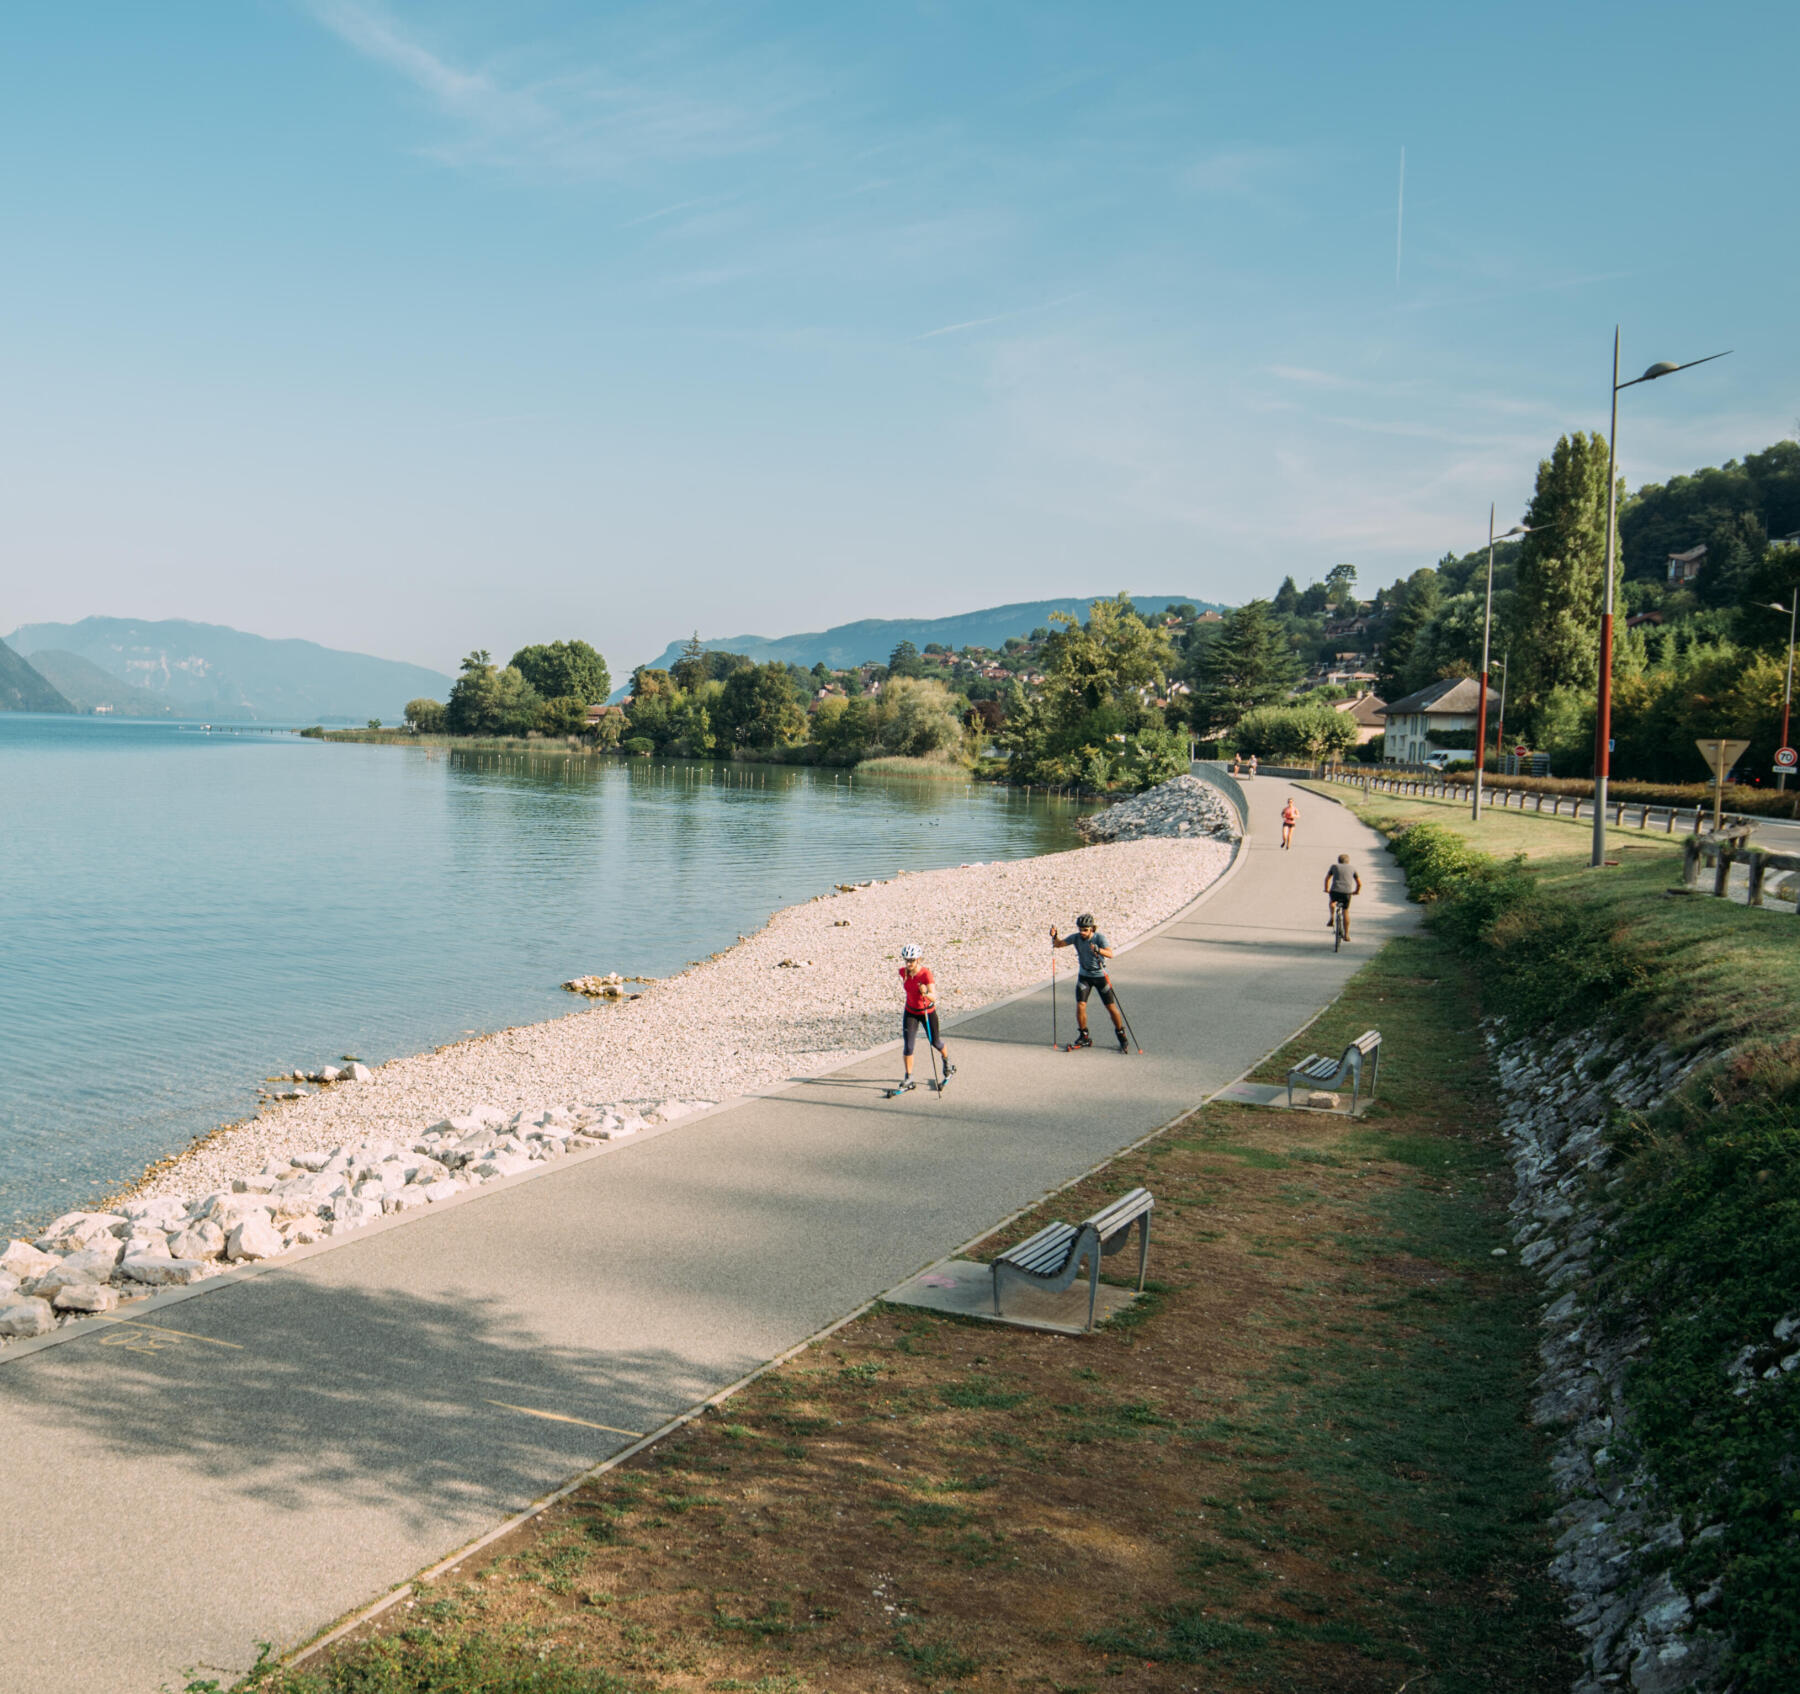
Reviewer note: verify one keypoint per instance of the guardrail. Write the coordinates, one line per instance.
(1731, 846)
(1214, 771)
(1647, 816)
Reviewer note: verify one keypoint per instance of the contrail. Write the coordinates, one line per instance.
(1400, 218)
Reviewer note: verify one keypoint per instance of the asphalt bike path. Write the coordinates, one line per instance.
(252, 1463)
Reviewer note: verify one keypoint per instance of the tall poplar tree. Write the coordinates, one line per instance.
(1556, 599)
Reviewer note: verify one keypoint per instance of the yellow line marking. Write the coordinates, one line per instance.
(563, 1417)
(160, 1329)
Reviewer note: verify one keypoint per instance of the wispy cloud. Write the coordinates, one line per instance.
(997, 317)
(1244, 173)
(647, 102)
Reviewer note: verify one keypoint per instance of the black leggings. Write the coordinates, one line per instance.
(913, 1022)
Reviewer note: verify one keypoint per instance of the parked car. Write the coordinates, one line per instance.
(1439, 760)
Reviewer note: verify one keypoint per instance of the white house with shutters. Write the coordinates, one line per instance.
(1446, 708)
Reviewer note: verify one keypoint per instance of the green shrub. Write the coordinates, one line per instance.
(639, 746)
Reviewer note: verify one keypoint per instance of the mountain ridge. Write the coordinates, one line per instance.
(23, 688)
(215, 671)
(871, 640)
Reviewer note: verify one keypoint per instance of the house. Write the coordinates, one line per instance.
(598, 714)
(1637, 620)
(1366, 709)
(1446, 708)
(1684, 567)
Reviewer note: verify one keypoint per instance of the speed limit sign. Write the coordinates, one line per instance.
(1786, 759)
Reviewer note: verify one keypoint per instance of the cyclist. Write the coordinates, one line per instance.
(1090, 952)
(921, 1013)
(1341, 883)
(1290, 815)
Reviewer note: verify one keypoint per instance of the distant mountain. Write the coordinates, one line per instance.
(22, 689)
(88, 688)
(873, 639)
(208, 671)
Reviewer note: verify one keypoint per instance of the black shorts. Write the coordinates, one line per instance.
(913, 1022)
(1086, 985)
(1340, 898)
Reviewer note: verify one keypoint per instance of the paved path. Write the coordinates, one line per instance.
(282, 1449)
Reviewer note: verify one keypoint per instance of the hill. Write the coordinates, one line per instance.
(22, 689)
(210, 671)
(87, 687)
(871, 640)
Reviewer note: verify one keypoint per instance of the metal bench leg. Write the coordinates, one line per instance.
(1093, 1283)
(1143, 1250)
(996, 1291)
(1375, 1080)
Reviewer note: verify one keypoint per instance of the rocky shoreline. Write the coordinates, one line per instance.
(810, 991)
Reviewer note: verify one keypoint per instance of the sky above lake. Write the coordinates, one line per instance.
(414, 328)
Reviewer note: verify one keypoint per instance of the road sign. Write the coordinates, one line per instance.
(1720, 755)
(1786, 759)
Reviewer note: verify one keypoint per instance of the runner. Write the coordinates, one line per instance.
(920, 1014)
(1290, 815)
(1341, 882)
(1090, 950)
(1252, 765)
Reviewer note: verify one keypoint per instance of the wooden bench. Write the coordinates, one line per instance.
(1052, 1258)
(1317, 1071)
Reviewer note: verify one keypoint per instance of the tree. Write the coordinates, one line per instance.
(690, 670)
(425, 716)
(486, 701)
(1246, 664)
(565, 670)
(904, 660)
(1556, 608)
(1114, 653)
(1312, 731)
(757, 708)
(1340, 585)
(1415, 603)
(920, 718)
(1287, 598)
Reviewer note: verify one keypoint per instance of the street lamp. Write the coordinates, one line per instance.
(1500, 727)
(1603, 714)
(1787, 694)
(1487, 632)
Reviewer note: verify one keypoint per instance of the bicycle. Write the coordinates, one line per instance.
(1340, 924)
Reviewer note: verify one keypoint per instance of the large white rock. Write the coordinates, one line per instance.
(90, 1269)
(202, 1240)
(9, 1285)
(164, 1272)
(254, 1238)
(230, 1210)
(154, 1243)
(21, 1259)
(22, 1319)
(502, 1164)
(350, 1212)
(440, 1190)
(261, 1184)
(86, 1297)
(165, 1209)
(354, 1072)
(74, 1230)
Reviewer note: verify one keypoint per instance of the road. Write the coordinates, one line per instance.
(253, 1462)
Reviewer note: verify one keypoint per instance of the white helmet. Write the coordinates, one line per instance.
(909, 951)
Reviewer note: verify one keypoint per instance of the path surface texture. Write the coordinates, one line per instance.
(254, 1461)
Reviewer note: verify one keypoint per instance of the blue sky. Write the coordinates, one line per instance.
(415, 328)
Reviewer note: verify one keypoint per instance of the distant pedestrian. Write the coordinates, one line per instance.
(1290, 815)
(921, 1014)
(1091, 954)
(1253, 766)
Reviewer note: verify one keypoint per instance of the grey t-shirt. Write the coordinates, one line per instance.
(1091, 963)
(1343, 879)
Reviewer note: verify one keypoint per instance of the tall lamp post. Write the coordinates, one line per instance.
(1787, 694)
(1603, 715)
(1487, 633)
(1500, 727)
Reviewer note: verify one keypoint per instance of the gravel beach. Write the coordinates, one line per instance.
(809, 991)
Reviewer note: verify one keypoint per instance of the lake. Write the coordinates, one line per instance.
(184, 913)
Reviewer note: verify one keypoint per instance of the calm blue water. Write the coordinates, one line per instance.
(183, 914)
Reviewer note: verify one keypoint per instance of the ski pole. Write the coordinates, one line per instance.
(1127, 1017)
(1055, 1038)
(931, 1027)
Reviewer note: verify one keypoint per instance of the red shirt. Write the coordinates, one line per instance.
(918, 988)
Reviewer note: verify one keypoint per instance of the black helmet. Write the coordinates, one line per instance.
(1085, 921)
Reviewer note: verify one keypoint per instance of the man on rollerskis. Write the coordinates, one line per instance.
(1091, 953)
